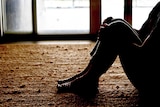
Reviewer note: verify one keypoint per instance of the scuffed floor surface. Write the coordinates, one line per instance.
(28, 75)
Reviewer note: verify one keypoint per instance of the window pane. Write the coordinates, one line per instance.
(141, 10)
(114, 8)
(1, 31)
(63, 16)
(18, 15)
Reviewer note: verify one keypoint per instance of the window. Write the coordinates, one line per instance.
(50, 17)
(17, 16)
(54, 17)
(63, 16)
(114, 8)
(141, 10)
(1, 31)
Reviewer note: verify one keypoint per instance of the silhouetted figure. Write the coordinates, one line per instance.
(138, 51)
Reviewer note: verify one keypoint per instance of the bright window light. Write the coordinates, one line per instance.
(63, 16)
(141, 10)
(114, 8)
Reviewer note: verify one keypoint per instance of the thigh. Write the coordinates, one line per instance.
(132, 59)
(138, 62)
(141, 64)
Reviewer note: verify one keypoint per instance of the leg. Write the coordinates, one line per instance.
(112, 39)
(107, 20)
(86, 83)
(130, 55)
(141, 66)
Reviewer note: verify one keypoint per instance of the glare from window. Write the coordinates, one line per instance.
(114, 8)
(141, 10)
(63, 16)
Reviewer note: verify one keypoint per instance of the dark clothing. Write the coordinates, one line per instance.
(138, 51)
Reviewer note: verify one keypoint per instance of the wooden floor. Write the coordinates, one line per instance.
(28, 75)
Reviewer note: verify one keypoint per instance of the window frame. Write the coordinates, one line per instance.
(95, 21)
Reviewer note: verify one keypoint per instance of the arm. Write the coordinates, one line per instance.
(153, 32)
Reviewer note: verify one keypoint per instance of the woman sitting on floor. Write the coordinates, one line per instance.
(138, 51)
